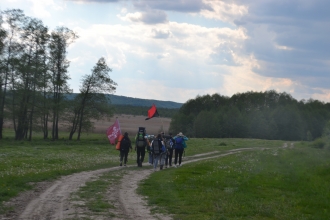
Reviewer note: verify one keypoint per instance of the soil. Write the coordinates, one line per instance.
(51, 200)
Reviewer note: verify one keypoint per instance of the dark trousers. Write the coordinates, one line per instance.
(123, 155)
(140, 153)
(168, 159)
(178, 153)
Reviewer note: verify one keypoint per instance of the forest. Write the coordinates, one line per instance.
(264, 115)
(34, 80)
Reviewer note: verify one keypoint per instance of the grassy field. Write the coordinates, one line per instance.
(272, 183)
(24, 162)
(278, 183)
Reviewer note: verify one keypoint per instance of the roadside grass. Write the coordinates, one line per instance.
(277, 183)
(203, 145)
(93, 196)
(26, 162)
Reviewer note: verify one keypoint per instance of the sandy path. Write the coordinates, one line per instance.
(54, 201)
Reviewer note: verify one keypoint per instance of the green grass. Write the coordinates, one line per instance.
(93, 196)
(202, 145)
(23, 162)
(274, 183)
(262, 184)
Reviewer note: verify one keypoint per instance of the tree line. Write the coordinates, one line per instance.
(262, 115)
(34, 80)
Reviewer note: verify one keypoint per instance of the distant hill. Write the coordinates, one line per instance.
(124, 100)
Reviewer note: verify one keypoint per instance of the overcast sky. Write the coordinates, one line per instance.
(174, 50)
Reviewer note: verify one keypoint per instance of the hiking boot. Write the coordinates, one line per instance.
(120, 164)
(161, 167)
(125, 165)
(165, 166)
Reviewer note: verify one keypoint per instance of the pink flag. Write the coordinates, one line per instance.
(113, 132)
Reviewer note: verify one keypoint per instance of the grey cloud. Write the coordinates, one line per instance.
(150, 17)
(154, 17)
(172, 5)
(289, 38)
(100, 1)
(161, 34)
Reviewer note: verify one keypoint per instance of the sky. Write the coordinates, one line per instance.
(174, 50)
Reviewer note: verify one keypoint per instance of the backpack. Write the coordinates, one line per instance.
(169, 143)
(140, 140)
(156, 147)
(179, 143)
(125, 144)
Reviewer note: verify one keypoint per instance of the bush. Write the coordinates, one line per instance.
(319, 143)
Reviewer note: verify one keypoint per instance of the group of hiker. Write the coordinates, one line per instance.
(160, 148)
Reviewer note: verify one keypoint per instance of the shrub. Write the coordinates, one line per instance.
(319, 143)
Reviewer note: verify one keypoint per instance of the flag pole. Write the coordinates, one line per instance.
(119, 125)
(162, 123)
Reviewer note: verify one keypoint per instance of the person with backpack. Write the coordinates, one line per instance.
(125, 146)
(157, 148)
(150, 156)
(140, 145)
(180, 145)
(169, 144)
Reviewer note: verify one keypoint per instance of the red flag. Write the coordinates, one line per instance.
(113, 132)
(152, 112)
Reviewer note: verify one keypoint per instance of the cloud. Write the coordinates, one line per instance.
(288, 39)
(172, 5)
(178, 94)
(225, 54)
(160, 34)
(147, 17)
(93, 1)
(162, 56)
(41, 9)
(227, 12)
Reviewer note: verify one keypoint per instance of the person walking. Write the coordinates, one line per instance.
(140, 146)
(150, 156)
(125, 146)
(156, 149)
(179, 147)
(169, 144)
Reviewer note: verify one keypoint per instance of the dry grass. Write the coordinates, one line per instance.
(128, 123)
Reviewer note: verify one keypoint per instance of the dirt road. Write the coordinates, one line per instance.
(51, 200)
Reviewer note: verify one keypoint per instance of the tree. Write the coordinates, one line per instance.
(60, 39)
(91, 102)
(11, 48)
